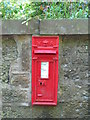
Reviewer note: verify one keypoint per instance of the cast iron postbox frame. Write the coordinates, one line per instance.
(45, 51)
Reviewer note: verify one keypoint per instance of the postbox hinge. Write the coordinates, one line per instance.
(55, 46)
(34, 58)
(55, 58)
(34, 45)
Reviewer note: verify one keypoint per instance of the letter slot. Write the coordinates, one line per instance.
(45, 51)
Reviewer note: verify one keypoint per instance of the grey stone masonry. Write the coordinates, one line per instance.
(72, 82)
(16, 73)
(62, 26)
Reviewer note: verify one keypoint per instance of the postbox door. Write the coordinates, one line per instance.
(45, 80)
(44, 70)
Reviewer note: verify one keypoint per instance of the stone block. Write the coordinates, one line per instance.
(20, 78)
(13, 95)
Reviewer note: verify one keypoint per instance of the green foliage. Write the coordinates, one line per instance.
(13, 9)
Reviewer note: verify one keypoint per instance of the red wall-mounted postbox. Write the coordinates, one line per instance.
(45, 50)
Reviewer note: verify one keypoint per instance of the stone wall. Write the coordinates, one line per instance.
(9, 54)
(72, 83)
(16, 54)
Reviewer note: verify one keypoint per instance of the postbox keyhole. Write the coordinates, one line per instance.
(40, 83)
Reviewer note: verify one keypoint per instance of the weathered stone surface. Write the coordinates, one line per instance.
(22, 79)
(0, 58)
(26, 54)
(20, 68)
(74, 69)
(9, 54)
(13, 95)
(63, 110)
(19, 27)
(72, 84)
(0, 99)
(64, 26)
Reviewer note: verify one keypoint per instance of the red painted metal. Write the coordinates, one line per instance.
(45, 50)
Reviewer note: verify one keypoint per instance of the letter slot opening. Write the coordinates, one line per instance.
(45, 51)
